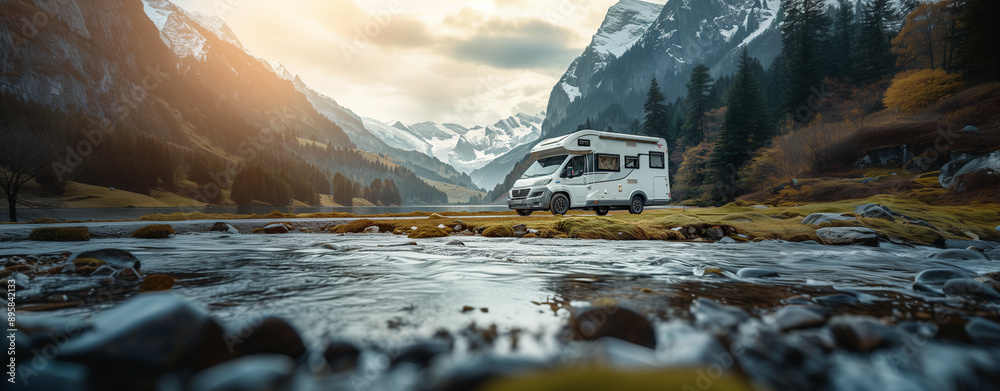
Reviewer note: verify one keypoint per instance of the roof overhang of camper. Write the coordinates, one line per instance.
(569, 145)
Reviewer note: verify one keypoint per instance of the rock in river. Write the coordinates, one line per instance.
(820, 218)
(983, 331)
(960, 255)
(152, 331)
(756, 273)
(118, 259)
(848, 235)
(794, 318)
(272, 335)
(710, 314)
(276, 229)
(971, 289)
(341, 356)
(224, 227)
(615, 322)
(940, 276)
(861, 333)
(260, 372)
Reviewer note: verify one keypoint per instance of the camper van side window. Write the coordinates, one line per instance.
(657, 160)
(608, 163)
(632, 162)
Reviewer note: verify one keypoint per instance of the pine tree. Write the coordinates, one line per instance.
(804, 36)
(746, 128)
(698, 96)
(873, 51)
(977, 53)
(843, 39)
(657, 114)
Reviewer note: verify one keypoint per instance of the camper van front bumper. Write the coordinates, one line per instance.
(537, 199)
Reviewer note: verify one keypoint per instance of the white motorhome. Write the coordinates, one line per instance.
(594, 170)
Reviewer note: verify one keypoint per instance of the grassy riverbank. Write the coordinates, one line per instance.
(742, 221)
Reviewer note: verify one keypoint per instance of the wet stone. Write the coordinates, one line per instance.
(838, 299)
(863, 334)
(341, 356)
(455, 243)
(960, 255)
(970, 289)
(983, 331)
(372, 230)
(821, 218)
(260, 372)
(616, 322)
(727, 240)
(54, 375)
(272, 335)
(422, 353)
(756, 273)
(839, 236)
(929, 290)
(941, 276)
(103, 271)
(152, 331)
(520, 230)
(276, 229)
(875, 211)
(714, 316)
(226, 228)
(118, 259)
(794, 318)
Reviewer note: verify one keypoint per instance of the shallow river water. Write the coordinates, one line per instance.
(382, 294)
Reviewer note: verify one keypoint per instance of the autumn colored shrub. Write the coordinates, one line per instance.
(915, 90)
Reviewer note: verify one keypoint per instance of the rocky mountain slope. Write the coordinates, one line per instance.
(684, 34)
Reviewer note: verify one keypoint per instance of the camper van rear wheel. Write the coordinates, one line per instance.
(560, 204)
(636, 206)
(602, 210)
(524, 212)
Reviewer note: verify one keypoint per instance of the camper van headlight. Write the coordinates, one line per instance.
(542, 182)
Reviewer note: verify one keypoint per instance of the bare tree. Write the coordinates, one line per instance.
(23, 158)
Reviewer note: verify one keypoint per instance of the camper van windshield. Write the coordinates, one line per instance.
(544, 167)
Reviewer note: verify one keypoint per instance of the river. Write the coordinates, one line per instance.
(378, 292)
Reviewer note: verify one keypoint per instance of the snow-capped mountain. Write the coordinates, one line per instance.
(466, 149)
(623, 26)
(684, 34)
(185, 32)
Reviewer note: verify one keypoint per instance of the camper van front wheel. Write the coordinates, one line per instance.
(524, 212)
(560, 204)
(636, 206)
(602, 210)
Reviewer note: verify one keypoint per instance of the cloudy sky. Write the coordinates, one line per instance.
(470, 62)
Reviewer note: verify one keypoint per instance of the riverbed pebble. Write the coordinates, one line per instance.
(941, 276)
(616, 322)
(983, 331)
(341, 356)
(756, 273)
(225, 227)
(716, 317)
(118, 259)
(260, 372)
(970, 289)
(960, 255)
(837, 299)
(794, 318)
(276, 229)
(860, 333)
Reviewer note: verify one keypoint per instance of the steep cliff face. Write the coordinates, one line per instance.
(625, 23)
(685, 33)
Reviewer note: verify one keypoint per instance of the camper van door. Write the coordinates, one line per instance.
(575, 180)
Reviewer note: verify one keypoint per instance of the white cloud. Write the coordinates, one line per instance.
(471, 62)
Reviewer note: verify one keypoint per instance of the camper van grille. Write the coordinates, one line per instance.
(522, 193)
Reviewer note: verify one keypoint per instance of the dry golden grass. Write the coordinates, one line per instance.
(68, 234)
(428, 232)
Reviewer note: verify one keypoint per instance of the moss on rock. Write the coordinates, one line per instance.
(67, 234)
(499, 231)
(427, 233)
(157, 282)
(157, 231)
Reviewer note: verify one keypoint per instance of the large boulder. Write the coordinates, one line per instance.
(821, 218)
(875, 211)
(848, 235)
(965, 164)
